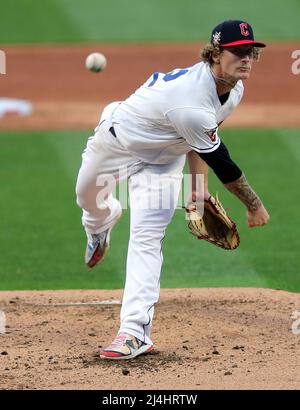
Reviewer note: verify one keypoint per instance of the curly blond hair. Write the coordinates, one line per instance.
(211, 50)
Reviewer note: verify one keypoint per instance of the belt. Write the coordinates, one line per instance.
(112, 130)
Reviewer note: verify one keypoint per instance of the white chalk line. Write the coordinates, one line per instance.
(93, 303)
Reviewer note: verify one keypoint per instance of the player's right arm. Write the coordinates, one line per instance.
(198, 127)
(235, 181)
(256, 213)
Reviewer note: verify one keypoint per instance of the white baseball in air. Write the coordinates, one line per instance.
(96, 62)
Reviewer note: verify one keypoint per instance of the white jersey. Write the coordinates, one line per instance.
(173, 113)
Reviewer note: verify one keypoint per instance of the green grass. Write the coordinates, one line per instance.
(42, 241)
(48, 21)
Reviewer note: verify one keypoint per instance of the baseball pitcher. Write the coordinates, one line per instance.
(146, 139)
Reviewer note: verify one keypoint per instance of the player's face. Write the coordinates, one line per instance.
(236, 61)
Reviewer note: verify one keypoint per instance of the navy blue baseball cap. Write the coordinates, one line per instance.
(234, 33)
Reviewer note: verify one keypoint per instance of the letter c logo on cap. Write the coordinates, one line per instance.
(244, 27)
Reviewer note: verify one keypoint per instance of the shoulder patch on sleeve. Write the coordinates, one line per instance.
(211, 133)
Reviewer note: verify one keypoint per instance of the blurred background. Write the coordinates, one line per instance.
(50, 104)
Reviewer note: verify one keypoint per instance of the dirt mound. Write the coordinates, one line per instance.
(204, 339)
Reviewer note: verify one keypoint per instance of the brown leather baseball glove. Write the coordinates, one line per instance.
(214, 225)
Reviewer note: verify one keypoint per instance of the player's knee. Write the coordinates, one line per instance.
(148, 236)
(80, 202)
(81, 197)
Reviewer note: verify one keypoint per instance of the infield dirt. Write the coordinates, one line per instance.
(65, 95)
(204, 339)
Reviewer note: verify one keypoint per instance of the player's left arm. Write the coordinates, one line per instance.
(198, 167)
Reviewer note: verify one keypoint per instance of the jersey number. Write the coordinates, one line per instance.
(167, 77)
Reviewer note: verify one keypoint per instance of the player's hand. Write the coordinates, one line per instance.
(257, 218)
(196, 197)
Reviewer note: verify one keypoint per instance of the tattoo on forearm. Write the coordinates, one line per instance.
(245, 193)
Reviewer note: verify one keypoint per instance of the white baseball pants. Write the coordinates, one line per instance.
(153, 195)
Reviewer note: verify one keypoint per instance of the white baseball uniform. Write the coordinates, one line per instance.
(154, 128)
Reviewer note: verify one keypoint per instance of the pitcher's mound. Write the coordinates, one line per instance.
(204, 339)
